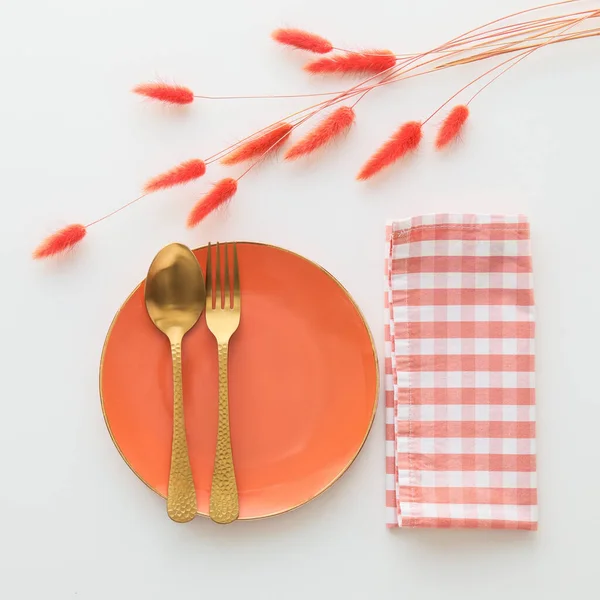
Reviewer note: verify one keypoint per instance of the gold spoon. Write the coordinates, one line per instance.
(175, 298)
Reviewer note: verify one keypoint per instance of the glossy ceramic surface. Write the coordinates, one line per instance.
(303, 382)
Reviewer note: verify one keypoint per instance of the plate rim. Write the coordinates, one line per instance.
(375, 399)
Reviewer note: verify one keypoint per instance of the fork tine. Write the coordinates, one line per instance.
(209, 291)
(218, 286)
(227, 286)
(237, 299)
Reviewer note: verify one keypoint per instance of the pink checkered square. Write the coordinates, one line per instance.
(459, 373)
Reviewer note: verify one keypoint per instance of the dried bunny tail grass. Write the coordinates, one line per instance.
(182, 173)
(405, 140)
(172, 94)
(302, 40)
(332, 126)
(61, 241)
(368, 61)
(452, 126)
(221, 193)
(260, 145)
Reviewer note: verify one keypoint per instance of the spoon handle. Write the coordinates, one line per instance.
(181, 497)
(224, 503)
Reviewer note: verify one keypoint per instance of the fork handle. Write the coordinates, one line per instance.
(181, 496)
(224, 503)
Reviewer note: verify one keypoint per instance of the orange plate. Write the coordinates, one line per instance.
(303, 382)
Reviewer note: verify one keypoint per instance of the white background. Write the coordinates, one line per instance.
(75, 144)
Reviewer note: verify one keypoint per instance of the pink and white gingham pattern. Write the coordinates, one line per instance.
(459, 373)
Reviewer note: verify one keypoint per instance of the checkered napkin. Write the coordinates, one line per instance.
(459, 371)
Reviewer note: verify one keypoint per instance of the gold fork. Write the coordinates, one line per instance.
(223, 318)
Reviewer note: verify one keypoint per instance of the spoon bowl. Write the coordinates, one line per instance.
(175, 292)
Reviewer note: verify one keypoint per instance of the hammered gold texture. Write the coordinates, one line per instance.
(181, 497)
(223, 319)
(175, 296)
(224, 503)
